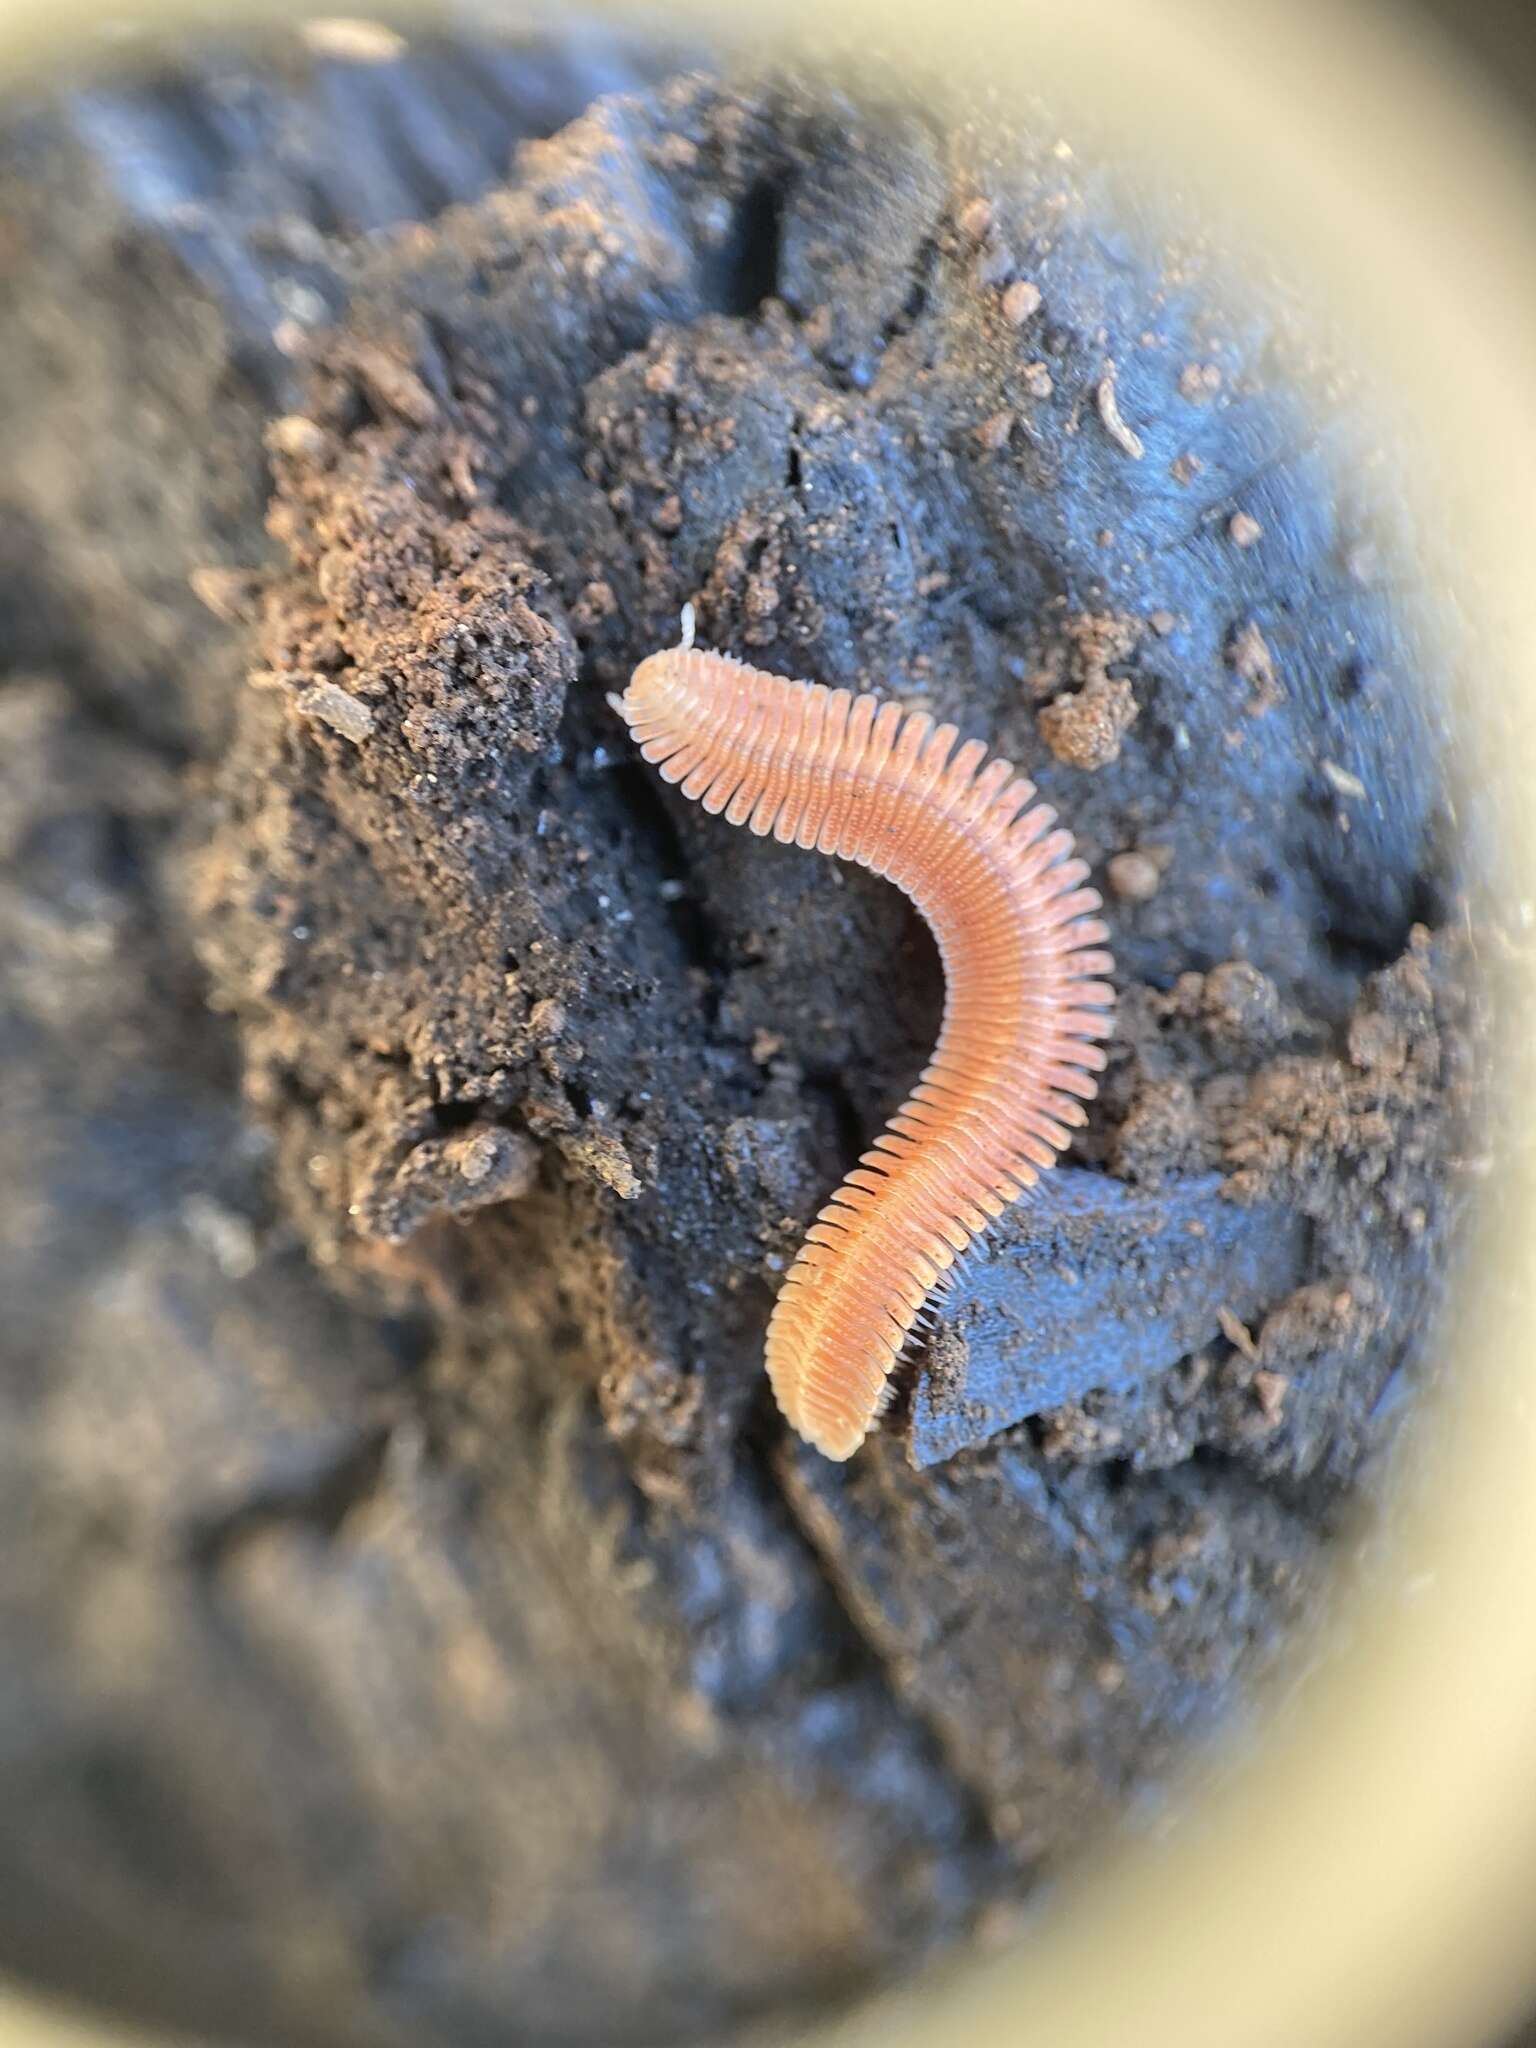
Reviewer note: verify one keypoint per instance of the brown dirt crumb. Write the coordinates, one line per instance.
(1038, 381)
(1086, 650)
(1097, 640)
(393, 386)
(301, 440)
(1248, 653)
(993, 433)
(1085, 728)
(975, 219)
(1269, 1390)
(1162, 623)
(1021, 301)
(443, 1176)
(1185, 468)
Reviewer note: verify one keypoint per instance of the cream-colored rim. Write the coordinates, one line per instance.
(1363, 1872)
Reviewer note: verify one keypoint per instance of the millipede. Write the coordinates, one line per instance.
(1027, 1000)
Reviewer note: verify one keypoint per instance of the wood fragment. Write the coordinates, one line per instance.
(1114, 423)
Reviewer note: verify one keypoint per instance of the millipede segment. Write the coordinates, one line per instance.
(1027, 996)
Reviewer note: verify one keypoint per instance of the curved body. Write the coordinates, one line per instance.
(1026, 1001)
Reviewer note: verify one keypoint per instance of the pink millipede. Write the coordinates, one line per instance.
(1026, 998)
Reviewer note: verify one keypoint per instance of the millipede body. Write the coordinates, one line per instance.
(1026, 995)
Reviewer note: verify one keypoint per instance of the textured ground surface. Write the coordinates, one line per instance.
(414, 1620)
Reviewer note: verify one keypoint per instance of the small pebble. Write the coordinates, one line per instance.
(300, 439)
(1248, 652)
(1038, 381)
(1244, 530)
(1134, 877)
(1162, 623)
(1021, 302)
(975, 219)
(477, 1157)
(993, 433)
(291, 339)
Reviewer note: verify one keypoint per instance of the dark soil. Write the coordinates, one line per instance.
(417, 1626)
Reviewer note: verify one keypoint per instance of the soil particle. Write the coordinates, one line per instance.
(1084, 649)
(993, 433)
(975, 219)
(1021, 302)
(299, 439)
(1163, 1132)
(1085, 728)
(1133, 877)
(1250, 656)
(446, 1175)
(1200, 382)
